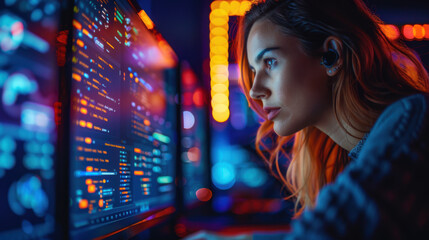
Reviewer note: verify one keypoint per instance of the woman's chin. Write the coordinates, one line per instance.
(282, 130)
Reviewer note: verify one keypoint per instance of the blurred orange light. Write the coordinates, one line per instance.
(89, 168)
(101, 203)
(219, 31)
(89, 124)
(131, 75)
(204, 194)
(76, 77)
(82, 123)
(426, 27)
(408, 31)
(218, 49)
(234, 8)
(218, 13)
(88, 181)
(146, 19)
(83, 102)
(91, 188)
(80, 43)
(198, 97)
(244, 7)
(391, 31)
(215, 5)
(418, 31)
(138, 173)
(219, 21)
(219, 40)
(146, 122)
(83, 203)
(84, 31)
(219, 54)
(137, 150)
(221, 116)
(88, 140)
(84, 110)
(220, 98)
(224, 5)
(77, 25)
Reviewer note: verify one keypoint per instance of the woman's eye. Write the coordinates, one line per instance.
(270, 63)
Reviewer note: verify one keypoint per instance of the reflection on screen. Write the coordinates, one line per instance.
(123, 118)
(28, 90)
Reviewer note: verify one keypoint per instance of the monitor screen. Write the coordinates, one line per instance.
(28, 91)
(123, 115)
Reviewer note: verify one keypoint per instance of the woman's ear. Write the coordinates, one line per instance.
(332, 57)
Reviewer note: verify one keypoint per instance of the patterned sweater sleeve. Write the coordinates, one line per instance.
(382, 194)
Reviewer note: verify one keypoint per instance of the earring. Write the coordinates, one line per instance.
(334, 69)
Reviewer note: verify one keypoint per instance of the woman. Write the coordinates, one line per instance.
(323, 75)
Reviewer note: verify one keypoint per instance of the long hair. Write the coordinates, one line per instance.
(376, 71)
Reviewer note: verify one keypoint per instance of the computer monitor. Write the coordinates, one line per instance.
(122, 121)
(28, 91)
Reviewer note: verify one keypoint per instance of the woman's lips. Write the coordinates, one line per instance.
(272, 112)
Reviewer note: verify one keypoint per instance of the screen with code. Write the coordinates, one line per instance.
(122, 119)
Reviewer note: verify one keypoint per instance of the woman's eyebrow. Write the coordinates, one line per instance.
(261, 54)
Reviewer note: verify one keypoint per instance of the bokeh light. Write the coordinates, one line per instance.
(204, 194)
(223, 175)
(188, 120)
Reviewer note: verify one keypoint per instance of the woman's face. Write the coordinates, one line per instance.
(292, 86)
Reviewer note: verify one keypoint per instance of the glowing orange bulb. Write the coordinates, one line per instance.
(91, 188)
(76, 77)
(146, 20)
(88, 140)
(391, 31)
(101, 203)
(83, 203)
(80, 43)
(408, 31)
(418, 31)
(426, 27)
(77, 25)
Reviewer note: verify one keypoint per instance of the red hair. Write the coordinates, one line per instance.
(376, 72)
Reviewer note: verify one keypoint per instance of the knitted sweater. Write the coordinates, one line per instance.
(383, 193)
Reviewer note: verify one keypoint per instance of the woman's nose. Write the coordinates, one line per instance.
(258, 90)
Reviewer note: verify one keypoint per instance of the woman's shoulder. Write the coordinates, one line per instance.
(400, 124)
